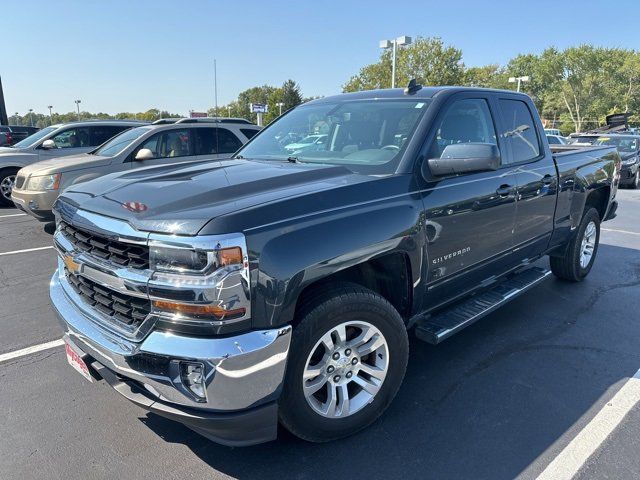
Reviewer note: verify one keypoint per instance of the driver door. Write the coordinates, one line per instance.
(469, 218)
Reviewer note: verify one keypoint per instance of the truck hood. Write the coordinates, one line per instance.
(65, 164)
(182, 199)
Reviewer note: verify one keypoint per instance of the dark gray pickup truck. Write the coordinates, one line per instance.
(282, 285)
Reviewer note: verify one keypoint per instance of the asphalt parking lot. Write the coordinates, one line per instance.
(503, 399)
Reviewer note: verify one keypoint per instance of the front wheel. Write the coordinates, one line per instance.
(347, 360)
(581, 252)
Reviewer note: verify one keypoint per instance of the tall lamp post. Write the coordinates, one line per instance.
(280, 105)
(31, 117)
(229, 111)
(17, 115)
(393, 45)
(50, 107)
(78, 102)
(519, 80)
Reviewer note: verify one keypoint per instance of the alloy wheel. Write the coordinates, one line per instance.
(588, 244)
(345, 369)
(6, 185)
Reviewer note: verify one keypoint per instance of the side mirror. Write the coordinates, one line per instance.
(463, 158)
(144, 154)
(48, 144)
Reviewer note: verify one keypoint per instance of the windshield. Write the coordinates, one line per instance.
(367, 136)
(625, 145)
(120, 142)
(31, 140)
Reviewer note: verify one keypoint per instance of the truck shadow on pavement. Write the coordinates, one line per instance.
(486, 403)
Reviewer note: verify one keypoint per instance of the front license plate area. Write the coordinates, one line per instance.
(77, 362)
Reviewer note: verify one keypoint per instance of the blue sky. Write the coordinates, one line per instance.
(134, 55)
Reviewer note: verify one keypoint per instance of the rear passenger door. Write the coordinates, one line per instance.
(469, 218)
(536, 174)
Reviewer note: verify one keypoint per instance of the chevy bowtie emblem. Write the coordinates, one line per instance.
(135, 207)
(71, 264)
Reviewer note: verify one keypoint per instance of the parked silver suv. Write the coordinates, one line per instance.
(52, 142)
(167, 141)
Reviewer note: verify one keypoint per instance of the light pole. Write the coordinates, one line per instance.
(17, 118)
(31, 117)
(280, 105)
(229, 111)
(518, 80)
(394, 44)
(215, 88)
(78, 102)
(50, 107)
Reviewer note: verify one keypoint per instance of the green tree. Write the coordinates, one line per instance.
(291, 95)
(428, 60)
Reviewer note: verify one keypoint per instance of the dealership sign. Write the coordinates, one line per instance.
(258, 107)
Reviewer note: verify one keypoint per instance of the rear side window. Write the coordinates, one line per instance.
(73, 138)
(214, 141)
(465, 121)
(249, 132)
(520, 131)
(100, 134)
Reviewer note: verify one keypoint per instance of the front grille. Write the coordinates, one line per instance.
(119, 253)
(19, 181)
(122, 308)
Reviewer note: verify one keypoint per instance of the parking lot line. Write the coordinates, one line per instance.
(620, 231)
(14, 215)
(29, 350)
(574, 455)
(26, 250)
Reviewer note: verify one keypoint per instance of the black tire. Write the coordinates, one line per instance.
(5, 174)
(568, 267)
(342, 302)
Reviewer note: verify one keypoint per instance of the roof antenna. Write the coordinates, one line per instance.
(413, 87)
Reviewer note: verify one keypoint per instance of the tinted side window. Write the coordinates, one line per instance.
(520, 130)
(227, 141)
(213, 141)
(465, 121)
(100, 134)
(73, 138)
(173, 143)
(248, 132)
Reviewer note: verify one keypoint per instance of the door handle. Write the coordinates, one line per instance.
(548, 179)
(504, 190)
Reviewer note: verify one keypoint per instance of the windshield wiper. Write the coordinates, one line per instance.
(293, 160)
(238, 157)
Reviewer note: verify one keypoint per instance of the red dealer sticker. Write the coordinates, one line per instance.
(77, 363)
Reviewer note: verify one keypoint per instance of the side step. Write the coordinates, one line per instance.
(445, 323)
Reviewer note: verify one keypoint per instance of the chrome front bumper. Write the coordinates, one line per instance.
(242, 371)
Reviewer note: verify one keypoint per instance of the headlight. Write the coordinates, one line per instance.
(188, 261)
(44, 182)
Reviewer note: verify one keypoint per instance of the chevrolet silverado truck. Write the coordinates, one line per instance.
(276, 287)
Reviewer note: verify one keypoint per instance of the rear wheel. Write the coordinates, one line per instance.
(347, 360)
(581, 252)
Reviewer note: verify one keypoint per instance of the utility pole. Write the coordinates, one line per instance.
(4, 119)
(215, 88)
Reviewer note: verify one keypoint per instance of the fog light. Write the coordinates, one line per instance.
(193, 378)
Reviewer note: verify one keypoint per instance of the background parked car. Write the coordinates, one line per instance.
(55, 141)
(14, 134)
(628, 147)
(168, 141)
(309, 143)
(556, 140)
